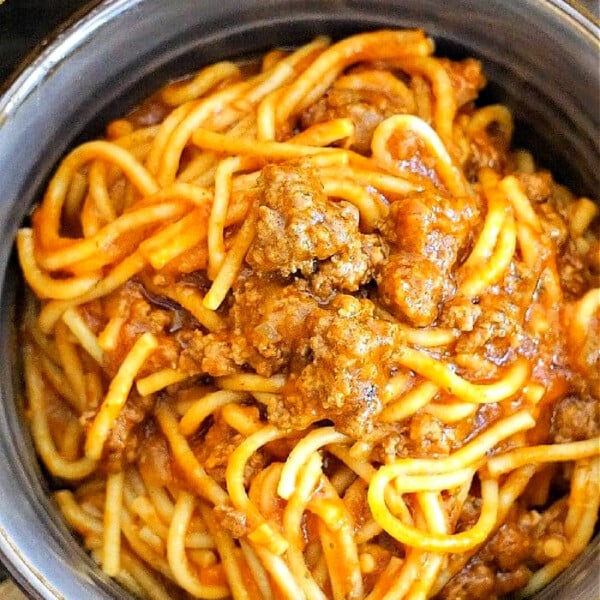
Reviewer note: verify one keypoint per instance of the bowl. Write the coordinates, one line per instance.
(541, 58)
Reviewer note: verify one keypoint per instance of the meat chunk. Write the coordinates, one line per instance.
(266, 331)
(470, 584)
(537, 186)
(352, 355)
(301, 230)
(467, 79)
(411, 287)
(269, 323)
(125, 436)
(214, 449)
(427, 234)
(297, 224)
(575, 419)
(366, 107)
(211, 354)
(420, 436)
(351, 268)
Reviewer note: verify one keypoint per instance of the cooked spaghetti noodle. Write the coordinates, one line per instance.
(310, 328)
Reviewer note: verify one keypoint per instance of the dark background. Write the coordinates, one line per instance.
(24, 23)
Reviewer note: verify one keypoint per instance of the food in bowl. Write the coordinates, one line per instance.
(309, 327)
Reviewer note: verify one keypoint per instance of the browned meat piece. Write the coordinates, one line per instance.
(578, 273)
(467, 78)
(420, 436)
(509, 547)
(351, 361)
(297, 224)
(472, 583)
(575, 419)
(487, 149)
(214, 449)
(141, 316)
(508, 558)
(269, 323)
(496, 330)
(123, 443)
(366, 107)
(301, 230)
(411, 287)
(431, 225)
(428, 233)
(537, 186)
(232, 520)
(210, 354)
(354, 266)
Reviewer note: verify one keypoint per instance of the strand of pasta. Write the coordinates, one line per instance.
(47, 217)
(202, 483)
(336, 530)
(518, 457)
(262, 532)
(398, 125)
(301, 453)
(308, 480)
(313, 82)
(445, 99)
(111, 543)
(495, 267)
(36, 394)
(231, 265)
(117, 276)
(416, 538)
(176, 554)
(204, 406)
(442, 375)
(580, 537)
(117, 394)
(44, 285)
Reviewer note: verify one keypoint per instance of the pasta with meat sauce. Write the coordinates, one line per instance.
(309, 327)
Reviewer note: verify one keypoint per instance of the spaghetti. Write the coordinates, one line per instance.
(309, 328)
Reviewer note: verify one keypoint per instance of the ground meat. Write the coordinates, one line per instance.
(427, 234)
(131, 303)
(301, 230)
(297, 224)
(575, 419)
(366, 107)
(467, 79)
(231, 520)
(215, 447)
(470, 584)
(420, 436)
(505, 563)
(575, 275)
(122, 446)
(486, 149)
(537, 186)
(339, 384)
(411, 287)
(269, 319)
(509, 547)
(493, 324)
(351, 268)
(206, 353)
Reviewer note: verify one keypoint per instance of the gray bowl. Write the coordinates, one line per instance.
(541, 58)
